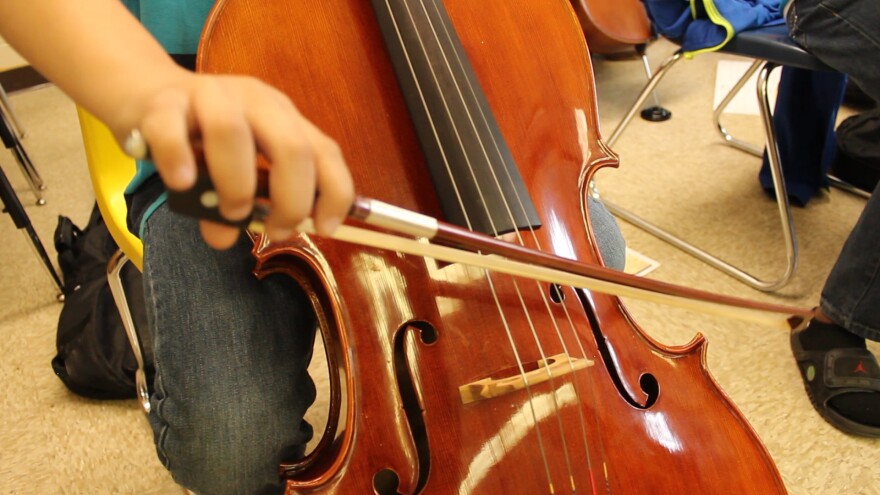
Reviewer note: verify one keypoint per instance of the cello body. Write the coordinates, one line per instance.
(408, 336)
(613, 26)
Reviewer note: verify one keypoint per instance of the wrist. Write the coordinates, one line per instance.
(130, 106)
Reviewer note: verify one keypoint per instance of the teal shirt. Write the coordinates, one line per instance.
(177, 25)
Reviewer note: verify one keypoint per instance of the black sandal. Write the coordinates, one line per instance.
(830, 373)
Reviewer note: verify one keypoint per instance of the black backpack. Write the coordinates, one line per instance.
(94, 357)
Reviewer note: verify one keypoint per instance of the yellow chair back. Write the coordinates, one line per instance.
(111, 170)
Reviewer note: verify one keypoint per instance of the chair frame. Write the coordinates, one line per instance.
(764, 68)
(114, 278)
(102, 151)
(10, 133)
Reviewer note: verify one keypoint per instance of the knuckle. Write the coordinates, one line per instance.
(158, 134)
(329, 148)
(235, 208)
(291, 213)
(295, 147)
(225, 125)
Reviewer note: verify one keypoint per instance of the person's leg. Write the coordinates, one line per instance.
(845, 34)
(841, 376)
(231, 359)
(805, 132)
(851, 296)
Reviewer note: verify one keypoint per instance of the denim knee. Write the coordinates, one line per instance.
(232, 354)
(234, 446)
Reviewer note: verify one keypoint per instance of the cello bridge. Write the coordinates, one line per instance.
(538, 372)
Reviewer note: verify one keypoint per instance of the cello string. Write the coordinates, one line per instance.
(520, 204)
(543, 295)
(470, 227)
(537, 285)
(485, 153)
(476, 183)
(488, 274)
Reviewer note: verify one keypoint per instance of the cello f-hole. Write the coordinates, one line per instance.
(648, 383)
(386, 482)
(557, 295)
(412, 333)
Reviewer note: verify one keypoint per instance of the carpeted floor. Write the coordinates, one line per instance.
(677, 173)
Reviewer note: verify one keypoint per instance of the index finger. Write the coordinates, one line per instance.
(165, 127)
(229, 150)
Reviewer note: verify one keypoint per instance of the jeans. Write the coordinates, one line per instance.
(231, 357)
(845, 34)
(851, 296)
(232, 353)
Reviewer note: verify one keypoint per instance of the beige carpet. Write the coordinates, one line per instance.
(676, 173)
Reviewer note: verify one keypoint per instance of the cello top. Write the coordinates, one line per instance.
(408, 334)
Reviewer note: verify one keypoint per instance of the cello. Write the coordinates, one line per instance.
(447, 378)
(614, 27)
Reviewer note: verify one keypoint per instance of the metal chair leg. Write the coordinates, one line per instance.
(29, 171)
(654, 113)
(11, 142)
(726, 136)
(35, 242)
(783, 206)
(114, 277)
(13, 206)
(6, 108)
(846, 186)
(640, 100)
(729, 139)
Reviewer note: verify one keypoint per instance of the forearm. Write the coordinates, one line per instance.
(108, 63)
(95, 51)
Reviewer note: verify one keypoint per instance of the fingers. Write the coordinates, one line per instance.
(218, 236)
(228, 145)
(233, 117)
(278, 129)
(166, 129)
(334, 183)
(308, 176)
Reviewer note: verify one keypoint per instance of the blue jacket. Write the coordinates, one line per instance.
(706, 25)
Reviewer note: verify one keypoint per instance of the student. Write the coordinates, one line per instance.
(231, 389)
(231, 351)
(841, 376)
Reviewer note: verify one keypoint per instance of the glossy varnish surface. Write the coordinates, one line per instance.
(403, 326)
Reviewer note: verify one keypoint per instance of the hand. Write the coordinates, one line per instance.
(234, 116)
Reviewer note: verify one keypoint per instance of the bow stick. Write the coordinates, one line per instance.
(452, 244)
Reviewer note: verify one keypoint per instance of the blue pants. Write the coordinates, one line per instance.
(231, 357)
(845, 34)
(805, 132)
(232, 354)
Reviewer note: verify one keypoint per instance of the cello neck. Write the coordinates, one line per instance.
(476, 179)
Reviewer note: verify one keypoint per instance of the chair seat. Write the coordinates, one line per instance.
(774, 45)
